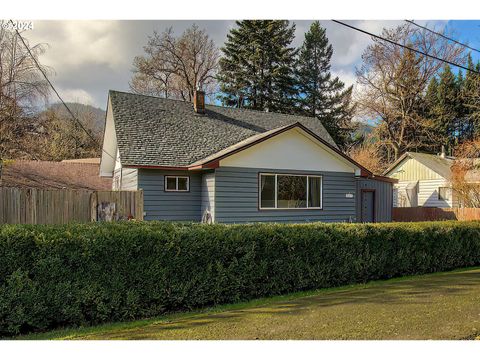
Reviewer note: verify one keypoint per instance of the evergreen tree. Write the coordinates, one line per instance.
(256, 70)
(447, 110)
(430, 113)
(468, 98)
(321, 95)
(431, 99)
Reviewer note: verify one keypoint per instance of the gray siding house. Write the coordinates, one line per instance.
(226, 165)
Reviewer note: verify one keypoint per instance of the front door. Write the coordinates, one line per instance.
(368, 206)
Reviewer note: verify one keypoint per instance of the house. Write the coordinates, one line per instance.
(53, 175)
(217, 164)
(83, 161)
(423, 180)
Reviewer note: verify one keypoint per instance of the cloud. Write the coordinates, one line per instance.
(74, 95)
(348, 77)
(72, 43)
(91, 57)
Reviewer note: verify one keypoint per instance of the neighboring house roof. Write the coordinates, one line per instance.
(153, 131)
(440, 165)
(84, 161)
(53, 175)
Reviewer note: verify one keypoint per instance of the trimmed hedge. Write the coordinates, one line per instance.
(83, 274)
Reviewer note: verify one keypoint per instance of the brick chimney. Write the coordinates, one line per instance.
(199, 102)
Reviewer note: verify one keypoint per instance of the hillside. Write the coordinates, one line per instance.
(82, 111)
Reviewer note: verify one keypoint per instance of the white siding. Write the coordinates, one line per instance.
(293, 150)
(427, 193)
(127, 179)
(411, 170)
(107, 163)
(208, 195)
(399, 193)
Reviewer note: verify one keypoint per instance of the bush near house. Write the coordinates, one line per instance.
(82, 274)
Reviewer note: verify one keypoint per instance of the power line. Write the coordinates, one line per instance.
(407, 47)
(442, 35)
(56, 92)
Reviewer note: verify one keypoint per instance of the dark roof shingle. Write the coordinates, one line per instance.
(153, 131)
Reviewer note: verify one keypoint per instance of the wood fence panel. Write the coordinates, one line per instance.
(409, 214)
(39, 206)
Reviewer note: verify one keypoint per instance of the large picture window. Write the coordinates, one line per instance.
(289, 191)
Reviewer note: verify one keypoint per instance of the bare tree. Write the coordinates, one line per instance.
(22, 88)
(63, 138)
(465, 178)
(369, 155)
(392, 82)
(175, 67)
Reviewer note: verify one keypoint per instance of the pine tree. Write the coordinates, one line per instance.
(430, 113)
(463, 127)
(321, 95)
(469, 98)
(431, 98)
(447, 110)
(256, 70)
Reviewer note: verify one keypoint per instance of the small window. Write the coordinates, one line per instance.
(177, 183)
(444, 193)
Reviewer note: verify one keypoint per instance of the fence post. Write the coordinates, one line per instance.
(93, 206)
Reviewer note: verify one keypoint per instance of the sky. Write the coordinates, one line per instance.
(90, 57)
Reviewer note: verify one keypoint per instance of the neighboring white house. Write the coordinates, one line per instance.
(424, 180)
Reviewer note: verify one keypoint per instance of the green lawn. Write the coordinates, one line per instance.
(435, 306)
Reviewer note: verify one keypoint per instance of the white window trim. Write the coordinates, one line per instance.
(449, 193)
(176, 177)
(276, 192)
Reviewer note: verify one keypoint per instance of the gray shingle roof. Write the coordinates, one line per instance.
(152, 131)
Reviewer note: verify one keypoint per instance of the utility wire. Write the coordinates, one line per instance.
(56, 92)
(442, 35)
(407, 47)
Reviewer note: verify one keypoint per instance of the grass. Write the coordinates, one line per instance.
(434, 306)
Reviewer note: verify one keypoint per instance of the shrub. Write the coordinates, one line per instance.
(83, 274)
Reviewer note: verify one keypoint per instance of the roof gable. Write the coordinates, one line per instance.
(437, 164)
(257, 139)
(293, 149)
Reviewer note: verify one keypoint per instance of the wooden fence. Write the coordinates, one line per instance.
(38, 206)
(407, 214)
